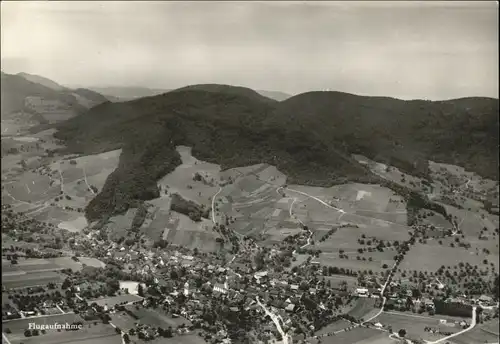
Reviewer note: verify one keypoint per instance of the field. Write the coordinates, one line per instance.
(30, 265)
(336, 281)
(177, 228)
(184, 339)
(381, 338)
(18, 326)
(482, 333)
(355, 336)
(248, 201)
(89, 334)
(181, 179)
(156, 317)
(114, 300)
(182, 231)
(54, 190)
(363, 307)
(67, 262)
(376, 265)
(31, 279)
(118, 226)
(147, 316)
(392, 173)
(337, 325)
(415, 324)
(430, 256)
(34, 272)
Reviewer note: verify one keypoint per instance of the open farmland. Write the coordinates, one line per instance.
(30, 266)
(116, 300)
(431, 218)
(184, 339)
(381, 338)
(337, 280)
(123, 320)
(353, 336)
(18, 326)
(335, 326)
(89, 334)
(31, 188)
(157, 224)
(468, 183)
(181, 180)
(482, 333)
(363, 307)
(415, 324)
(118, 226)
(352, 263)
(156, 317)
(58, 191)
(430, 257)
(392, 173)
(31, 279)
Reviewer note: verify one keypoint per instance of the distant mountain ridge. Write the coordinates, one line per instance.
(126, 93)
(27, 93)
(42, 81)
(310, 137)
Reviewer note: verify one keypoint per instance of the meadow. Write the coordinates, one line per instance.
(90, 334)
(31, 279)
(415, 325)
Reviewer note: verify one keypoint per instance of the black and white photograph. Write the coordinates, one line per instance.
(250, 172)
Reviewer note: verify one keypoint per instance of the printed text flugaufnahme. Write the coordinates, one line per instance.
(54, 326)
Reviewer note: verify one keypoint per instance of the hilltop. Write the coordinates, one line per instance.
(310, 137)
(401, 133)
(228, 89)
(125, 93)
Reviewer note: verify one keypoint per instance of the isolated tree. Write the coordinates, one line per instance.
(402, 333)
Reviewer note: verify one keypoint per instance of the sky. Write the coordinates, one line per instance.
(408, 50)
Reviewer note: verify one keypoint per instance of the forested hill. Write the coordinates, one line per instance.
(310, 137)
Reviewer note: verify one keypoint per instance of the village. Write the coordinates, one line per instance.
(217, 294)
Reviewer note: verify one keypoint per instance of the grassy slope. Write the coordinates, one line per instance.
(309, 137)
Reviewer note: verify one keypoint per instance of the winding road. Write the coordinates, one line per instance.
(213, 205)
(86, 182)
